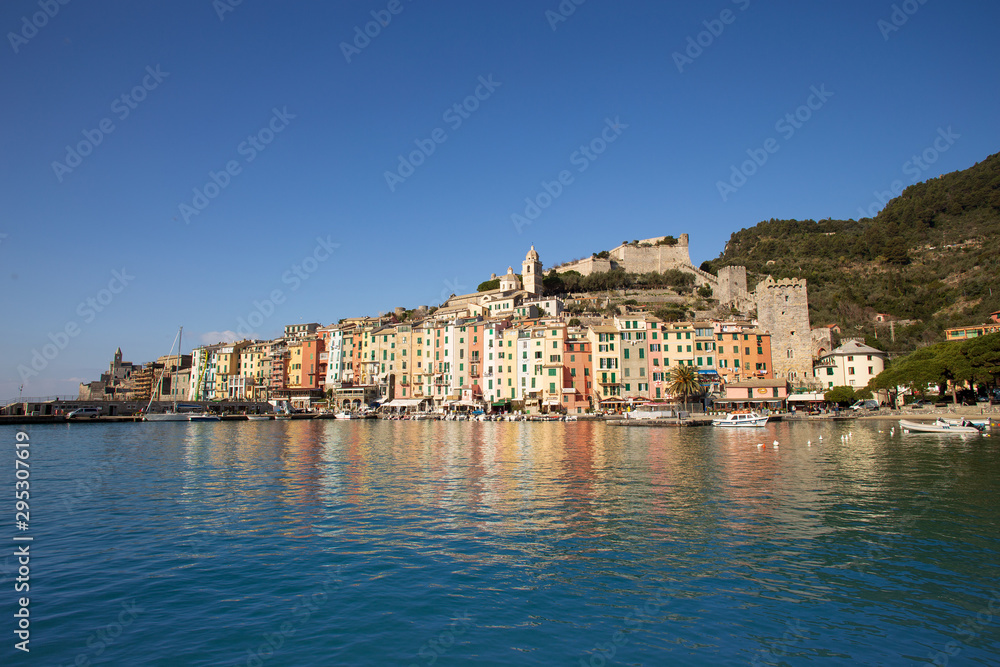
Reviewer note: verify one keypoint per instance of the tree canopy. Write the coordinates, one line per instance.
(684, 382)
(953, 362)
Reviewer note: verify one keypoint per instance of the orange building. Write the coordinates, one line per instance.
(577, 385)
(743, 353)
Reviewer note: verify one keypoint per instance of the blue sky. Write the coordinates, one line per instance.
(311, 219)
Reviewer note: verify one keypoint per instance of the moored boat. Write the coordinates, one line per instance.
(258, 418)
(172, 414)
(168, 416)
(939, 426)
(741, 418)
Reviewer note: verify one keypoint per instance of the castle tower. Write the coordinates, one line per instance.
(531, 273)
(783, 311)
(732, 286)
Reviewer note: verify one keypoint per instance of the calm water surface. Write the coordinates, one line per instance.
(454, 543)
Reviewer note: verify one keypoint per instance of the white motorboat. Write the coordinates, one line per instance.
(346, 415)
(258, 418)
(939, 426)
(741, 418)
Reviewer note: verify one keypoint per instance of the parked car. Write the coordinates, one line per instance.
(84, 412)
(870, 404)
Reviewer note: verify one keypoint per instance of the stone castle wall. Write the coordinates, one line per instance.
(636, 259)
(587, 266)
(783, 311)
(658, 258)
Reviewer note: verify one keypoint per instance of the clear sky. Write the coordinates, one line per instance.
(218, 155)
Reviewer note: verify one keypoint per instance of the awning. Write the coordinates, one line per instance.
(806, 397)
(405, 402)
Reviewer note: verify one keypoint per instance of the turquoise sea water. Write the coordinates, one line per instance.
(455, 543)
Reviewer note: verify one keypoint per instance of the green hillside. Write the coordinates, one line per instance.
(931, 255)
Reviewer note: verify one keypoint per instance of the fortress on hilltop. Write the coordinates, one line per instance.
(655, 254)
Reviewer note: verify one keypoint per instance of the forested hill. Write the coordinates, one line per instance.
(932, 254)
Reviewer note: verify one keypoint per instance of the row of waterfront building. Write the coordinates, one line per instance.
(508, 346)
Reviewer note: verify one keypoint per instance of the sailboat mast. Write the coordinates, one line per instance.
(180, 362)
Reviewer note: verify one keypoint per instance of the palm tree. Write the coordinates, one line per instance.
(684, 381)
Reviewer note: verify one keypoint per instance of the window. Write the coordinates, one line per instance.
(850, 370)
(552, 372)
